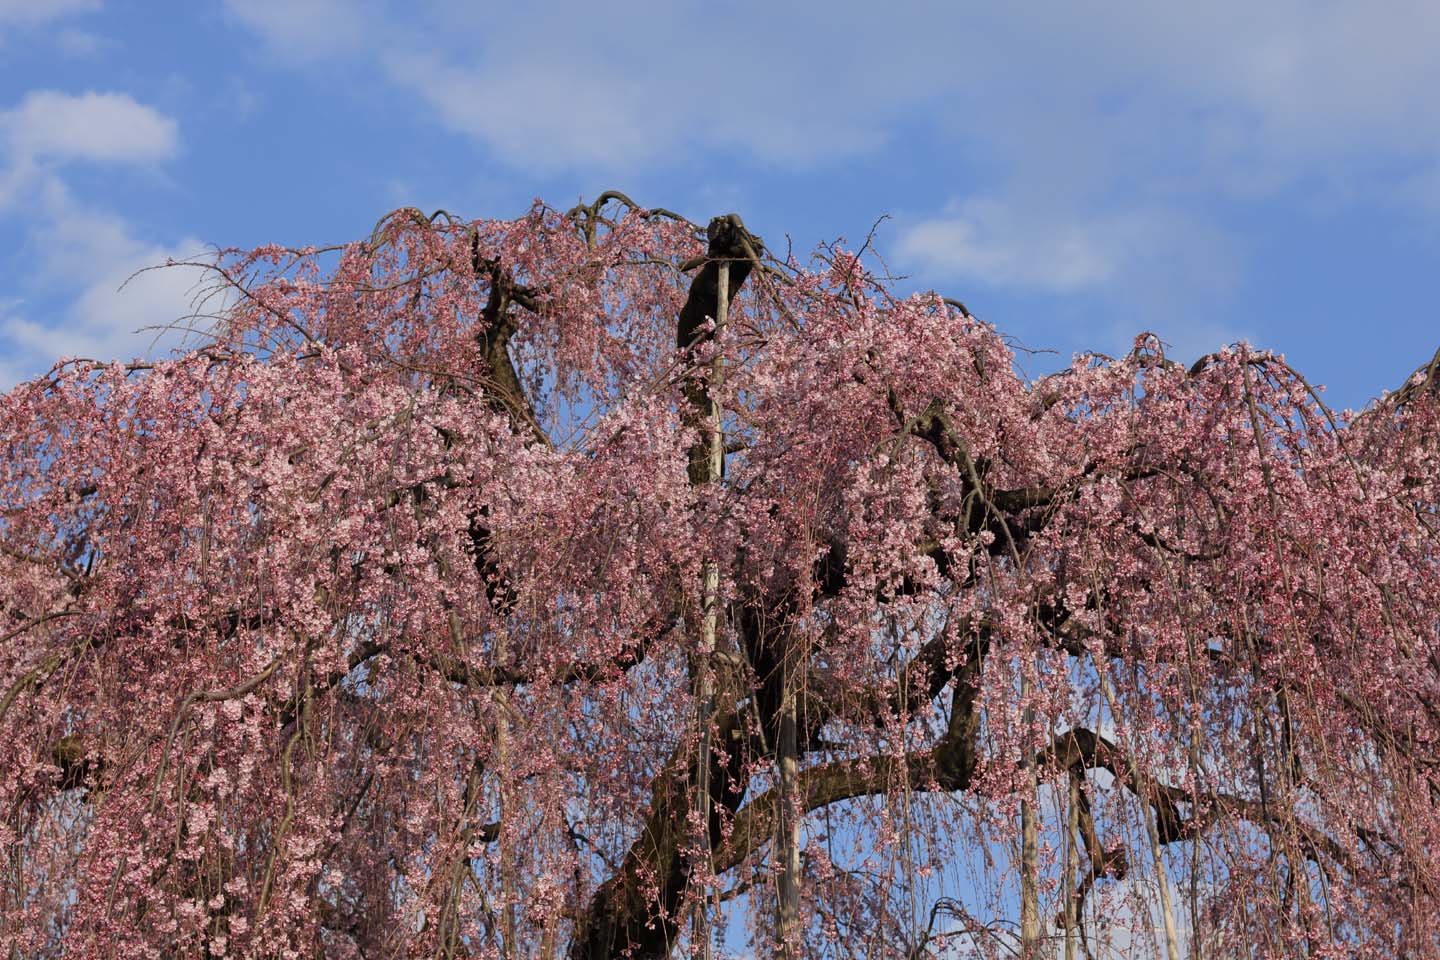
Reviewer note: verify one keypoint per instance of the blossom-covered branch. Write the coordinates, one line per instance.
(579, 584)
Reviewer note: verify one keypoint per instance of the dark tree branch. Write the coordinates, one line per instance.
(497, 326)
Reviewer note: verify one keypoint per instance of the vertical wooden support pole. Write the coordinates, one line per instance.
(1072, 859)
(1029, 846)
(710, 602)
(787, 841)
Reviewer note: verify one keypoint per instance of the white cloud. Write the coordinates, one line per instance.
(100, 127)
(306, 30)
(16, 183)
(1095, 147)
(1158, 269)
(116, 313)
(1284, 86)
(619, 86)
(554, 115)
(1008, 240)
(1094, 141)
(33, 12)
(82, 262)
(992, 242)
(78, 43)
(1341, 79)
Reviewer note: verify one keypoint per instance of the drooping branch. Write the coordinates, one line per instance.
(949, 765)
(426, 582)
(1082, 749)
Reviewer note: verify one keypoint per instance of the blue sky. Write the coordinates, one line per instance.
(1075, 172)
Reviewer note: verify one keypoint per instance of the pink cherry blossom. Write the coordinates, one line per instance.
(385, 623)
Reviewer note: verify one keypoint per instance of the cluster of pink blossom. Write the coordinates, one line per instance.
(371, 627)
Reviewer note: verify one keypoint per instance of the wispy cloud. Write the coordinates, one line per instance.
(79, 43)
(83, 261)
(1094, 143)
(1158, 268)
(33, 12)
(308, 31)
(118, 308)
(96, 127)
(987, 240)
(567, 87)
(1232, 91)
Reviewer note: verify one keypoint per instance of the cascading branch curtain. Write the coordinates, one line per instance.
(375, 625)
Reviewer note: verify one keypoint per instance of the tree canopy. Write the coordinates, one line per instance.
(593, 584)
